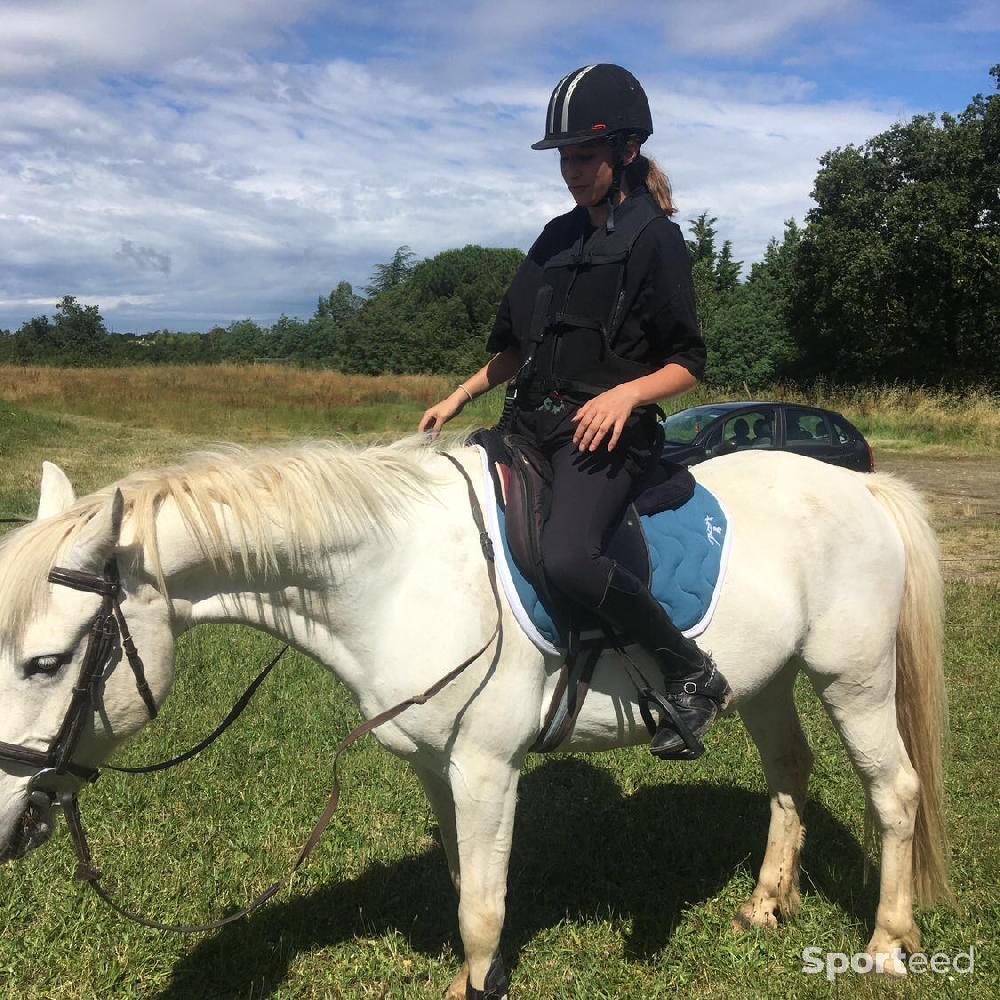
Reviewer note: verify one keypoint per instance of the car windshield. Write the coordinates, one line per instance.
(684, 427)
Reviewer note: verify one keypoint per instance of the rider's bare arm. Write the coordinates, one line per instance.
(670, 380)
(499, 369)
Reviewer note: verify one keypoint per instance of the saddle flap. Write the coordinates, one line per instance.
(528, 501)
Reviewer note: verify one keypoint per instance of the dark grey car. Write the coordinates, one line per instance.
(703, 432)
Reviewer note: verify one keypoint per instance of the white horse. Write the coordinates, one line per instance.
(368, 560)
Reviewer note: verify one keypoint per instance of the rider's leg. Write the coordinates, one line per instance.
(695, 688)
(589, 494)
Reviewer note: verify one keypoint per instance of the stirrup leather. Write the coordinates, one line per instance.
(693, 747)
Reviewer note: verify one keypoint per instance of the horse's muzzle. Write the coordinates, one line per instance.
(33, 829)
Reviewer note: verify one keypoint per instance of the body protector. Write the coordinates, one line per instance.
(578, 311)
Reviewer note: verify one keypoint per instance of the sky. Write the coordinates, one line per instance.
(183, 164)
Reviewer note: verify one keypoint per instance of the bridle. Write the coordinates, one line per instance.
(108, 631)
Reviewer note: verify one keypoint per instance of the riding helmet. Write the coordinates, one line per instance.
(593, 102)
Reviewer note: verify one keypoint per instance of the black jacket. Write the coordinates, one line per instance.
(657, 323)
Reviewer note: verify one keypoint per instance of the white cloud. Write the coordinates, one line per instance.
(737, 29)
(43, 37)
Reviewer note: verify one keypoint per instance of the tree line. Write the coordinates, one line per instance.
(893, 275)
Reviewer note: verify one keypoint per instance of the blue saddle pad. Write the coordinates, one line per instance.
(688, 550)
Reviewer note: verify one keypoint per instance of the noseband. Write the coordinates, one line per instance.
(108, 632)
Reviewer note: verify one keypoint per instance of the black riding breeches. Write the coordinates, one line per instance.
(590, 491)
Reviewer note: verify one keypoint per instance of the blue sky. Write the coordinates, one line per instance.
(183, 164)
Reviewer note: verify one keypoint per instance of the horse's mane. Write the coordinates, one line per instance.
(320, 493)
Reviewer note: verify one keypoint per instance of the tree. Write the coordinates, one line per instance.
(386, 276)
(342, 305)
(715, 273)
(750, 342)
(898, 272)
(438, 320)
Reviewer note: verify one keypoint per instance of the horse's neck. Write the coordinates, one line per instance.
(309, 601)
(372, 612)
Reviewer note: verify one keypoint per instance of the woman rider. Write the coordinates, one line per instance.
(598, 324)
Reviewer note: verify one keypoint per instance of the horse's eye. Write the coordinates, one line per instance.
(45, 664)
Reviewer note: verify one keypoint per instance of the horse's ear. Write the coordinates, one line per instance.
(57, 491)
(97, 541)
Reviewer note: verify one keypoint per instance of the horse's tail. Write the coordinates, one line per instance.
(921, 701)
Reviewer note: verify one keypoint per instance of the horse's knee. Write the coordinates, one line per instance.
(480, 924)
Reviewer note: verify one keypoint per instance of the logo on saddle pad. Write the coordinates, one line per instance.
(713, 532)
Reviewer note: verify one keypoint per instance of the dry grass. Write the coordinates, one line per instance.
(243, 403)
(228, 401)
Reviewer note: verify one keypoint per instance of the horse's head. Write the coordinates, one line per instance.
(45, 632)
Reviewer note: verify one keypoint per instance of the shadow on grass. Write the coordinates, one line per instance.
(581, 851)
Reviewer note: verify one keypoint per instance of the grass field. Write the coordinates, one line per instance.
(625, 872)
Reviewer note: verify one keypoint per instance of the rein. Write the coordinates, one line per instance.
(109, 624)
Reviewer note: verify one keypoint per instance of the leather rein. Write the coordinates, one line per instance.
(109, 630)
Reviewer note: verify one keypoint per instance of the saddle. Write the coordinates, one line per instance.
(522, 481)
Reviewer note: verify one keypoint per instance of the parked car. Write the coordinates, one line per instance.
(703, 432)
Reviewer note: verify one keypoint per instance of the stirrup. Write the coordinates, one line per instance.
(692, 749)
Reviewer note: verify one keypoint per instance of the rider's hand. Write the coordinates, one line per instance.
(603, 413)
(440, 413)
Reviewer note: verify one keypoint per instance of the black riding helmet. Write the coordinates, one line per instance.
(594, 102)
(597, 102)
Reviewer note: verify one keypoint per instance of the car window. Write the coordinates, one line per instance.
(843, 434)
(753, 429)
(684, 427)
(806, 427)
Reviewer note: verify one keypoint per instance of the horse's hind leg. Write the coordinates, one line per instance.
(863, 709)
(773, 724)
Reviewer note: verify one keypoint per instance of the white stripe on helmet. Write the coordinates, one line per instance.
(552, 104)
(569, 96)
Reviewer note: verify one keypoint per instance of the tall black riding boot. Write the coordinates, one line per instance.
(696, 691)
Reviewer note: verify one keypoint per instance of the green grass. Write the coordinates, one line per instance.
(625, 871)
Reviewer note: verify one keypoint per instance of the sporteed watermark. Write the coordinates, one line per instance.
(833, 963)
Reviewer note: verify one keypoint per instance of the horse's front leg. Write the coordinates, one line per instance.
(438, 792)
(485, 796)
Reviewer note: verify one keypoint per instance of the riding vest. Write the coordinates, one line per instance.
(578, 311)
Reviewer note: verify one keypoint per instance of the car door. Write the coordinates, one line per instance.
(747, 429)
(808, 432)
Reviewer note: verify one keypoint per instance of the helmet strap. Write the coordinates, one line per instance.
(617, 144)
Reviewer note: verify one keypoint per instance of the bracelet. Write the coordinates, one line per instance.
(466, 391)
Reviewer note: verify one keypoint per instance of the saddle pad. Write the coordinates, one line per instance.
(688, 550)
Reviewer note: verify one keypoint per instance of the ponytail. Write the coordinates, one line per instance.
(643, 170)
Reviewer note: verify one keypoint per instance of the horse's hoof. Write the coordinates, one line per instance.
(751, 915)
(888, 963)
(888, 950)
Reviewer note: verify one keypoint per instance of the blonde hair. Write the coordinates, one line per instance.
(643, 170)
